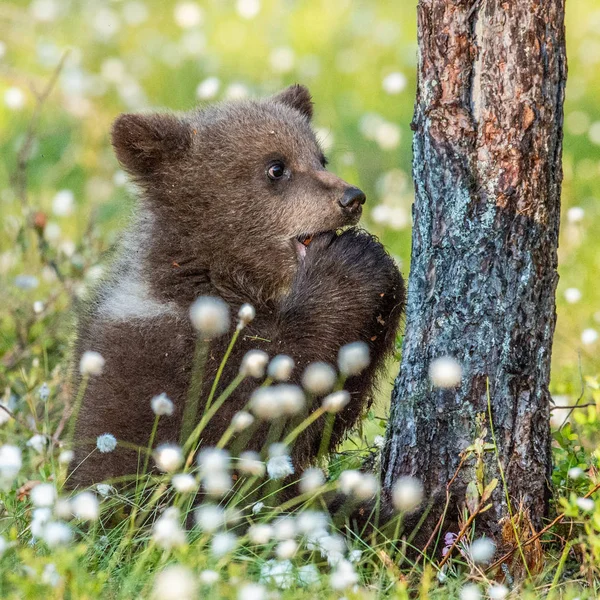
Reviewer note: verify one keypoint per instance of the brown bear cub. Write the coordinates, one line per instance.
(235, 202)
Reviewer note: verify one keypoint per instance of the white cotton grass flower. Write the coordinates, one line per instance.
(279, 467)
(105, 490)
(585, 504)
(286, 550)
(589, 336)
(246, 315)
(336, 401)
(250, 463)
(353, 358)
(254, 364)
(91, 363)
(367, 487)
(497, 591)
(208, 577)
(208, 88)
(217, 484)
(308, 575)
(310, 521)
(343, 576)
(482, 550)
(65, 457)
(223, 543)
(265, 404)
(407, 494)
(281, 367)
(11, 462)
(62, 508)
(85, 506)
(38, 442)
(213, 460)
(470, 592)
(39, 518)
(394, 83)
(319, 378)
(167, 532)
(575, 473)
(14, 98)
(354, 556)
(348, 481)
(184, 483)
(43, 495)
(210, 316)
(106, 443)
(575, 214)
(252, 591)
(168, 457)
(260, 534)
(175, 583)
(241, 421)
(55, 533)
(445, 372)
(284, 528)
(572, 295)
(63, 202)
(311, 480)
(257, 507)
(188, 14)
(290, 398)
(379, 441)
(278, 572)
(162, 405)
(209, 517)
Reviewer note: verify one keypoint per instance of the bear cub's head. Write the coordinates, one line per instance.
(237, 189)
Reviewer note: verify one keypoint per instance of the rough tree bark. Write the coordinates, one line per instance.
(487, 170)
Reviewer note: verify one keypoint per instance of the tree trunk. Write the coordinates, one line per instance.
(487, 170)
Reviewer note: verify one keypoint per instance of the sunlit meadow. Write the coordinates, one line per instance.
(68, 68)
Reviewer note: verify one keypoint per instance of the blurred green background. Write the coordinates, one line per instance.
(358, 59)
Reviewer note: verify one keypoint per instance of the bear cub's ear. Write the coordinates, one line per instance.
(143, 142)
(297, 96)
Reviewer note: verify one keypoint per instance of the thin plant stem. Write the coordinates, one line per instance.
(76, 409)
(217, 378)
(326, 437)
(190, 410)
(150, 444)
(306, 423)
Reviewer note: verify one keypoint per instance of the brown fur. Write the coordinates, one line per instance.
(212, 223)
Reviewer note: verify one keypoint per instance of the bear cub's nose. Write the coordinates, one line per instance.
(353, 199)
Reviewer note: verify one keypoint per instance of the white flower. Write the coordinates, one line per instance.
(279, 467)
(43, 494)
(311, 480)
(65, 457)
(91, 363)
(14, 98)
(394, 83)
(62, 508)
(585, 504)
(252, 591)
(572, 295)
(589, 336)
(575, 473)
(284, 528)
(445, 372)
(290, 398)
(336, 401)
(407, 494)
(575, 214)
(208, 88)
(104, 489)
(265, 404)
(254, 364)
(38, 442)
(184, 483)
(241, 420)
(209, 577)
(260, 534)
(55, 533)
(331, 546)
(344, 575)
(482, 550)
(213, 460)
(167, 531)
(319, 378)
(40, 517)
(175, 583)
(470, 592)
(10, 465)
(85, 506)
(281, 367)
(50, 575)
(209, 517)
(278, 572)
(246, 315)
(308, 575)
(162, 405)
(379, 441)
(353, 358)
(349, 480)
(354, 556)
(247, 9)
(497, 591)
(217, 484)
(257, 507)
(286, 549)
(44, 392)
(62, 203)
(210, 316)
(106, 443)
(367, 487)
(250, 463)
(309, 521)
(223, 543)
(282, 59)
(38, 308)
(168, 457)
(188, 15)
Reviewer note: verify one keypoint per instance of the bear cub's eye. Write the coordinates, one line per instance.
(276, 170)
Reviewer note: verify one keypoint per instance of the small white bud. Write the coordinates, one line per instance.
(251, 464)
(575, 473)
(589, 336)
(336, 401)
(246, 315)
(260, 534)
(209, 517)
(290, 398)
(217, 484)
(585, 504)
(367, 487)
(265, 405)
(37, 442)
(85, 506)
(208, 577)
(56, 534)
(575, 214)
(254, 364)
(184, 483)
(348, 481)
(407, 494)
(319, 378)
(353, 358)
(106, 443)
(210, 316)
(482, 550)
(43, 495)
(222, 544)
(91, 363)
(162, 405)
(175, 583)
(286, 549)
(445, 372)
(497, 591)
(213, 460)
(470, 592)
(241, 420)
(572, 295)
(311, 480)
(168, 457)
(280, 467)
(65, 457)
(281, 367)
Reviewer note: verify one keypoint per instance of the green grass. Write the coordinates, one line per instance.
(127, 56)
